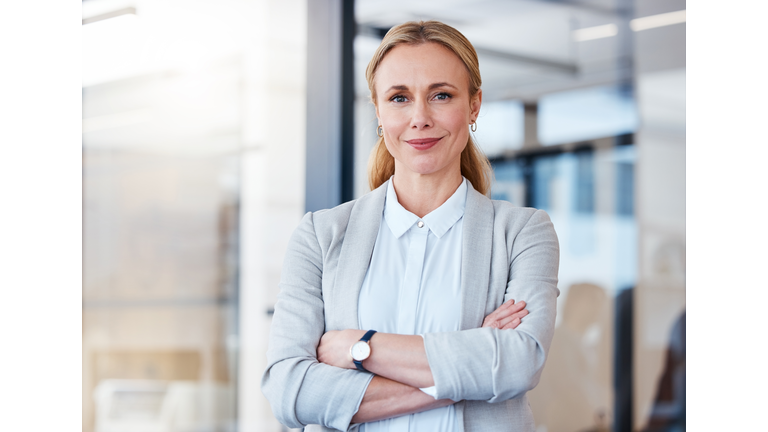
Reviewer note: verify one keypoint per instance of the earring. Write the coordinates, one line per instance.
(380, 131)
(473, 126)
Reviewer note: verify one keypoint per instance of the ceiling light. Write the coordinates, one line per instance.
(110, 14)
(660, 20)
(591, 33)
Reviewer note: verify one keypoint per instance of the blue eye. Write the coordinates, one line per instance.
(398, 99)
(442, 96)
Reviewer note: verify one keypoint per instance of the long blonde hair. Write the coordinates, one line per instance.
(474, 164)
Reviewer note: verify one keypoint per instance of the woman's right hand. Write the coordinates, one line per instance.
(507, 316)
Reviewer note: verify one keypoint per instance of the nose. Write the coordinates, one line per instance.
(421, 116)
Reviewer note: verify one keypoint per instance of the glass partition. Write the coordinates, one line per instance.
(584, 114)
(160, 240)
(588, 194)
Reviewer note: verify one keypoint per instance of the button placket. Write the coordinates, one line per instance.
(411, 287)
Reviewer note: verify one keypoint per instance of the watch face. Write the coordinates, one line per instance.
(361, 350)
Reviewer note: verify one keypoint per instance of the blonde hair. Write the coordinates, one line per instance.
(474, 164)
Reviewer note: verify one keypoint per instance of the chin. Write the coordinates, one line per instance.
(424, 168)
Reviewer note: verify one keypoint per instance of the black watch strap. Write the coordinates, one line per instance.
(366, 337)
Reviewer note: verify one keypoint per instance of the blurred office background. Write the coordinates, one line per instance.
(211, 127)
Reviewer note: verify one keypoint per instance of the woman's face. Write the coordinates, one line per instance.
(424, 107)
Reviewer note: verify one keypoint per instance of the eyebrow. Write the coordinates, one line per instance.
(442, 84)
(431, 86)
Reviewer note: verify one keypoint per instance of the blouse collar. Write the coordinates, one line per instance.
(439, 221)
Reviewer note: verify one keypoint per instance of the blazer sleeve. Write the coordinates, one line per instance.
(495, 365)
(301, 390)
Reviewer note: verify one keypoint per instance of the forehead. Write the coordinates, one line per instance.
(421, 65)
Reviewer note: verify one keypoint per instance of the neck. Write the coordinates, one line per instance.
(421, 194)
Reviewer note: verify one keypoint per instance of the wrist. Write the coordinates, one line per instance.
(361, 350)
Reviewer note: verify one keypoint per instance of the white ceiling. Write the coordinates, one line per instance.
(526, 47)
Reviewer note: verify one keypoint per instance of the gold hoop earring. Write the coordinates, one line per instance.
(380, 131)
(473, 127)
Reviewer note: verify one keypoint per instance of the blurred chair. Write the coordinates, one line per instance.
(575, 391)
(130, 406)
(162, 406)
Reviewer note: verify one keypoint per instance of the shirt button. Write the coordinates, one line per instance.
(420, 224)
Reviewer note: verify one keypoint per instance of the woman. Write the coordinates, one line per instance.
(397, 310)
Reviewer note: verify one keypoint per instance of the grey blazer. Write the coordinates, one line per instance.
(507, 252)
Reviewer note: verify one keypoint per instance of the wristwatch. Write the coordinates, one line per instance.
(361, 350)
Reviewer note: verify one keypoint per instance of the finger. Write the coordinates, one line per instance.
(509, 303)
(493, 316)
(502, 310)
(512, 324)
(516, 307)
(507, 312)
(516, 316)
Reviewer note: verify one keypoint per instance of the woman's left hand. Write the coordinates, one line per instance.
(334, 347)
(507, 316)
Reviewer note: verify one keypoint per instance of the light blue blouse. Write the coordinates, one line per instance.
(413, 286)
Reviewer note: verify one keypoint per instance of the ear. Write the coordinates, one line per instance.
(474, 104)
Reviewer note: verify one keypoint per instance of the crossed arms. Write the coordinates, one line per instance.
(310, 380)
(400, 365)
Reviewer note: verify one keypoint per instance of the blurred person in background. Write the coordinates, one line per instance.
(668, 411)
(414, 306)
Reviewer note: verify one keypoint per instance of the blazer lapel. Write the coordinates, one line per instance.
(476, 251)
(355, 255)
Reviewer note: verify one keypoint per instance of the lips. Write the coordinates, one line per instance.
(423, 143)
